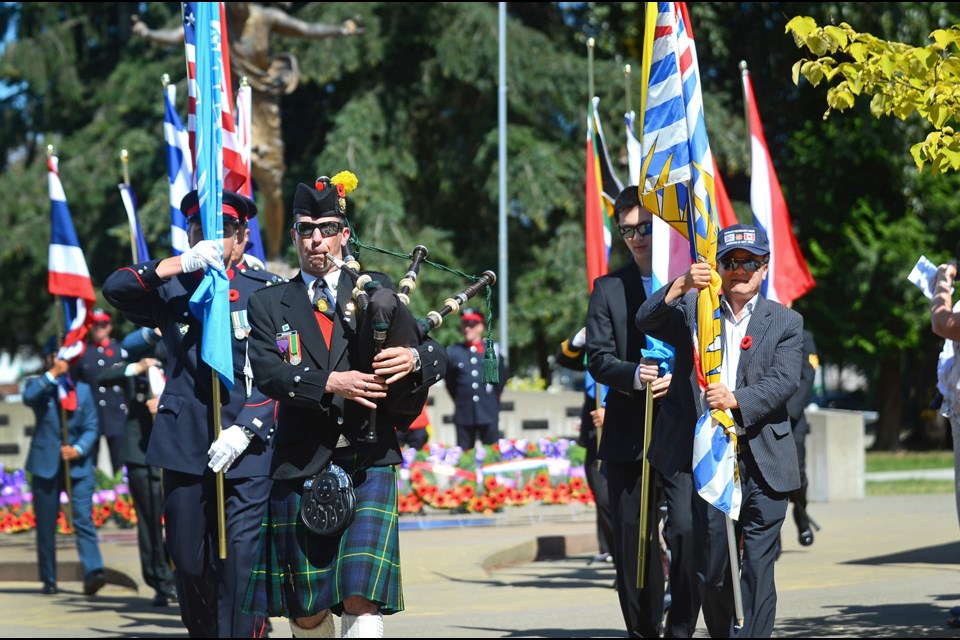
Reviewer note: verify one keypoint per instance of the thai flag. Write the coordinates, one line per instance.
(138, 244)
(678, 185)
(179, 168)
(788, 277)
(245, 141)
(210, 302)
(233, 168)
(67, 273)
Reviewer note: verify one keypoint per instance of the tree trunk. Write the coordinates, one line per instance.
(890, 402)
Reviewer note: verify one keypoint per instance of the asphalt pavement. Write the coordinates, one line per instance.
(883, 566)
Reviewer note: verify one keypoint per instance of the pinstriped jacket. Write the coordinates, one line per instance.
(768, 374)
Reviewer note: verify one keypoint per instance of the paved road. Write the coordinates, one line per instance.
(880, 567)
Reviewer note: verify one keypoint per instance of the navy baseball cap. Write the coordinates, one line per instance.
(742, 236)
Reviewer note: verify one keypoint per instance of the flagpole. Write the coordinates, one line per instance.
(64, 426)
(590, 45)
(645, 491)
(124, 160)
(221, 512)
(626, 83)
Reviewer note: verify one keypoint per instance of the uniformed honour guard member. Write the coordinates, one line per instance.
(476, 412)
(102, 352)
(156, 294)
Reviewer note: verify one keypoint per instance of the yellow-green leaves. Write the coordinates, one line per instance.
(901, 80)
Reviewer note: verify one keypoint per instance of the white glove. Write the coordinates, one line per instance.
(203, 255)
(580, 339)
(227, 448)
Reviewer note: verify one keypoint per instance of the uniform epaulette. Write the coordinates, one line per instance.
(262, 275)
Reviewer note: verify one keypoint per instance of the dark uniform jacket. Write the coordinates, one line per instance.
(474, 402)
(184, 425)
(109, 398)
(309, 420)
(614, 350)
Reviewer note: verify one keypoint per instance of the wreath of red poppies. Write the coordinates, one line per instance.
(746, 342)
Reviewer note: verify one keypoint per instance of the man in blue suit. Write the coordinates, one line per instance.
(45, 461)
(156, 294)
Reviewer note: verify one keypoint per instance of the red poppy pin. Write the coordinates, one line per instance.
(746, 342)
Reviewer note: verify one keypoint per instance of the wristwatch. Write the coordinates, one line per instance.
(247, 432)
(416, 359)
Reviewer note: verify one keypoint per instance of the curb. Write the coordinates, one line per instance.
(540, 548)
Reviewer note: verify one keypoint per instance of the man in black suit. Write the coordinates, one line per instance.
(309, 350)
(760, 371)
(614, 347)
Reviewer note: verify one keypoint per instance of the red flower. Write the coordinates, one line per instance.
(746, 342)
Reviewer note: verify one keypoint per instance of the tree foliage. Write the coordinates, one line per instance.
(902, 80)
(411, 108)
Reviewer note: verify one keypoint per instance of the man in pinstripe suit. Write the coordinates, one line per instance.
(762, 351)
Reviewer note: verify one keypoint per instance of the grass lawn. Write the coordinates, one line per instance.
(908, 460)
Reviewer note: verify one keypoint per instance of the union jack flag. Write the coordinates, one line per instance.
(234, 169)
(67, 273)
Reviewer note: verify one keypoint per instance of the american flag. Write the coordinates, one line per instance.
(678, 185)
(234, 170)
(67, 274)
(179, 168)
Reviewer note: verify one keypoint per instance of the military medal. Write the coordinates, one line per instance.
(240, 326)
(295, 357)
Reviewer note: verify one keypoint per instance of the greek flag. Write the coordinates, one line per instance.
(138, 244)
(677, 184)
(179, 168)
(210, 302)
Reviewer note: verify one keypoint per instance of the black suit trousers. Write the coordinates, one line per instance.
(682, 518)
(642, 608)
(762, 513)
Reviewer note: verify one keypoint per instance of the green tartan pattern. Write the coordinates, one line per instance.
(298, 573)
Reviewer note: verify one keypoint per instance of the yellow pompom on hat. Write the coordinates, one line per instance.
(326, 198)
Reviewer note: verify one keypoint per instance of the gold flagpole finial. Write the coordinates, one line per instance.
(165, 79)
(244, 82)
(50, 151)
(124, 161)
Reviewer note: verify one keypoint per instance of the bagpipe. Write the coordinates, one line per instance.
(384, 320)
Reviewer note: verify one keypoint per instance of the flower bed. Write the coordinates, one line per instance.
(490, 477)
(434, 479)
(111, 500)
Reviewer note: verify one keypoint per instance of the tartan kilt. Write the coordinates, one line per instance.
(299, 574)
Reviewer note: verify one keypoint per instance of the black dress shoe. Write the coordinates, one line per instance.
(806, 537)
(163, 598)
(49, 589)
(93, 583)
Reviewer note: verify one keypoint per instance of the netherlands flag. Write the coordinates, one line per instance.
(67, 274)
(789, 278)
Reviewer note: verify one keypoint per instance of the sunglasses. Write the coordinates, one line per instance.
(327, 229)
(644, 229)
(749, 265)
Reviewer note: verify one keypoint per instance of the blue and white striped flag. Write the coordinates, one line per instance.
(211, 301)
(138, 244)
(677, 183)
(179, 168)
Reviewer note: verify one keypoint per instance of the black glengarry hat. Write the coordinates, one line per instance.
(328, 196)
